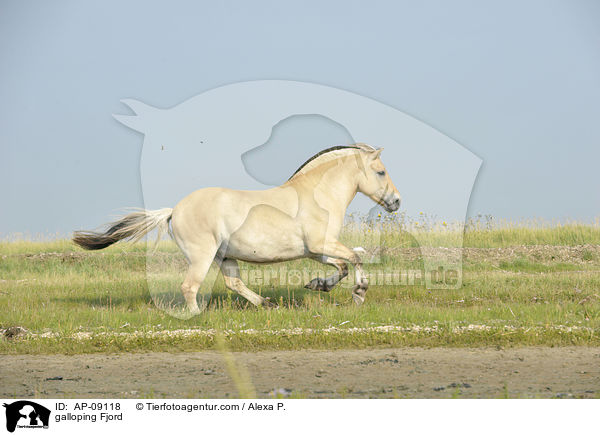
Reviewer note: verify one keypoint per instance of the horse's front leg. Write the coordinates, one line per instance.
(336, 249)
(326, 284)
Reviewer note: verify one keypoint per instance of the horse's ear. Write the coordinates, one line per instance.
(375, 154)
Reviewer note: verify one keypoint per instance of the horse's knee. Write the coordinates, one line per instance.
(355, 259)
(232, 283)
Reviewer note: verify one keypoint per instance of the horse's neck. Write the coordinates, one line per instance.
(344, 193)
(332, 185)
(336, 190)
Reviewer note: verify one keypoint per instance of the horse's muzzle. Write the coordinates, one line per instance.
(392, 203)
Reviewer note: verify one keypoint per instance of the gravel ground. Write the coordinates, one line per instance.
(379, 373)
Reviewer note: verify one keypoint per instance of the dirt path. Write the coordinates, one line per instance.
(424, 373)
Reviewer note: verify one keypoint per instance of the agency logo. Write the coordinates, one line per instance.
(25, 414)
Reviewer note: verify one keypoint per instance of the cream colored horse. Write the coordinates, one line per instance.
(301, 218)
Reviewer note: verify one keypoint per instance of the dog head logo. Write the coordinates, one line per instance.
(26, 414)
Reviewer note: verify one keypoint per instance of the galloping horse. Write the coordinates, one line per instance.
(302, 218)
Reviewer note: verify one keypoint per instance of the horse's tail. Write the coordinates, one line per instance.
(133, 226)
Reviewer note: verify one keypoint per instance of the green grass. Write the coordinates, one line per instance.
(482, 232)
(542, 287)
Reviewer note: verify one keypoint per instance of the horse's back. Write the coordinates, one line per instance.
(227, 209)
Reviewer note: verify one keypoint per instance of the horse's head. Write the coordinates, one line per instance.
(375, 182)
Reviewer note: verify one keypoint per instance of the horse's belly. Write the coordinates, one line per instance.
(265, 237)
(263, 254)
(267, 249)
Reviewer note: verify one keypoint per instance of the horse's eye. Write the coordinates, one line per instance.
(382, 173)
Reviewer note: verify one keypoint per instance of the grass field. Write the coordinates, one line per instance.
(522, 285)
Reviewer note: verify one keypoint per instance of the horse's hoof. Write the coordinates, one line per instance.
(266, 303)
(359, 292)
(194, 311)
(358, 300)
(318, 284)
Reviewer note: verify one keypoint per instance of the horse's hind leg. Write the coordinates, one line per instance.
(200, 258)
(326, 284)
(193, 279)
(231, 274)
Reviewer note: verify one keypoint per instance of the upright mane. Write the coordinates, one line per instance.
(326, 154)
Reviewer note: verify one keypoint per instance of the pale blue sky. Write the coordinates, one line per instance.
(517, 83)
